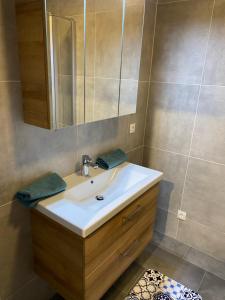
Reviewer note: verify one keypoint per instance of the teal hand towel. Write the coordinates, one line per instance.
(112, 159)
(44, 187)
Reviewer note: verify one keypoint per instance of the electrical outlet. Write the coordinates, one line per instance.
(181, 215)
(132, 127)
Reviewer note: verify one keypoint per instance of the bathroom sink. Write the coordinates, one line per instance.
(89, 202)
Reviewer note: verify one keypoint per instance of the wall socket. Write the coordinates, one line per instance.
(181, 215)
(132, 127)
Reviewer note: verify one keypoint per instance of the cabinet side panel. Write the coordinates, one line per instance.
(33, 62)
(58, 256)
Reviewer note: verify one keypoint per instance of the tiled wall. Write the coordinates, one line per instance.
(185, 132)
(28, 152)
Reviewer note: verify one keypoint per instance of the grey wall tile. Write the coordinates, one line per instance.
(173, 167)
(203, 238)
(215, 62)
(166, 223)
(148, 39)
(204, 194)
(180, 41)
(136, 139)
(212, 287)
(171, 116)
(208, 141)
(171, 245)
(206, 262)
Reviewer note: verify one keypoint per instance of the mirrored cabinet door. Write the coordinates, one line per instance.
(80, 59)
(131, 55)
(65, 28)
(104, 34)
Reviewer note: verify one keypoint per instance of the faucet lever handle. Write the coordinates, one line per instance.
(86, 159)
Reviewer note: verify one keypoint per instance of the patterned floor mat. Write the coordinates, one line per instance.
(155, 286)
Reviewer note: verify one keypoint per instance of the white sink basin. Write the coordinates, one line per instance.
(78, 209)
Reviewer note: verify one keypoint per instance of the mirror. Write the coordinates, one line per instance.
(104, 32)
(131, 55)
(94, 51)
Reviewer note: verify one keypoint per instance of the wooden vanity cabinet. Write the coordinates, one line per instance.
(85, 268)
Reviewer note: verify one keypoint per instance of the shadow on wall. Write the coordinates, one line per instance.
(166, 188)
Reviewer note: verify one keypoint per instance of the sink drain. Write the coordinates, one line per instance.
(100, 197)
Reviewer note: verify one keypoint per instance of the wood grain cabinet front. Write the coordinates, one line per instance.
(85, 268)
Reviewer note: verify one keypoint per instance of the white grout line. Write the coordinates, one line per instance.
(189, 84)
(207, 161)
(7, 203)
(196, 111)
(136, 148)
(173, 1)
(10, 81)
(175, 83)
(150, 71)
(185, 155)
(168, 151)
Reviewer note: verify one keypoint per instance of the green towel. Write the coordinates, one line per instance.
(112, 159)
(44, 187)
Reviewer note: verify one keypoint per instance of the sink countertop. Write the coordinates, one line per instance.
(77, 207)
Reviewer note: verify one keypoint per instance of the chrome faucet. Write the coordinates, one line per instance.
(86, 163)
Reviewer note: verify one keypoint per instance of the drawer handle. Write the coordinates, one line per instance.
(130, 250)
(132, 215)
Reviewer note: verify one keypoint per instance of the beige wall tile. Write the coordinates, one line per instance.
(106, 101)
(35, 289)
(109, 5)
(90, 50)
(180, 41)
(215, 63)
(136, 156)
(171, 116)
(173, 167)
(79, 44)
(204, 194)
(208, 141)
(132, 42)
(72, 7)
(15, 250)
(108, 46)
(128, 97)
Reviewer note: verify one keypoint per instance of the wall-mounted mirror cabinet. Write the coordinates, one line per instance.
(79, 59)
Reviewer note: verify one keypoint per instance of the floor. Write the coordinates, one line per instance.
(208, 285)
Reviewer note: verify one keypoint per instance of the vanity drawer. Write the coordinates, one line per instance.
(137, 217)
(97, 283)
